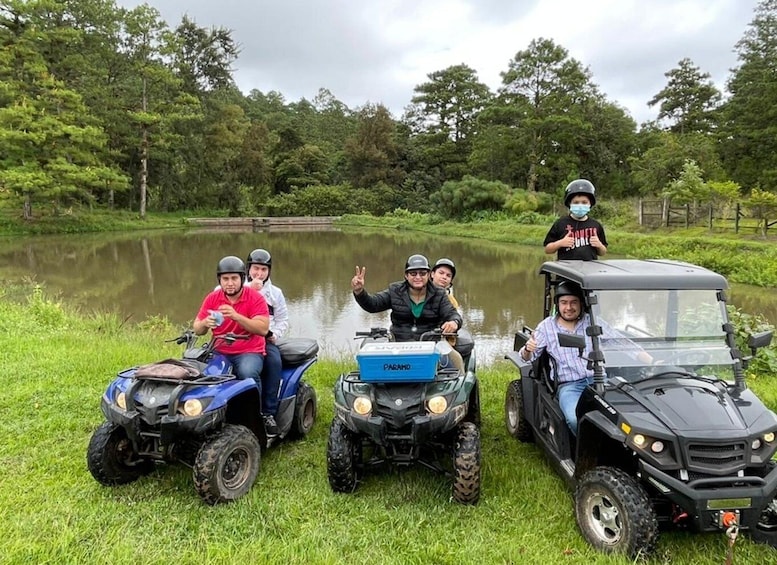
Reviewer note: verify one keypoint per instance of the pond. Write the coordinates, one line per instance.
(167, 273)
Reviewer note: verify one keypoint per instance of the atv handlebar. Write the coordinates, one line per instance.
(373, 333)
(432, 335)
(189, 338)
(436, 335)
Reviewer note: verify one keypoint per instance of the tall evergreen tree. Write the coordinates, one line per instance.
(688, 100)
(536, 118)
(51, 143)
(748, 134)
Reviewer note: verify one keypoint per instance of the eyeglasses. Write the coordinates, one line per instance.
(417, 273)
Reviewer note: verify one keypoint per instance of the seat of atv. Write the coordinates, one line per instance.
(297, 350)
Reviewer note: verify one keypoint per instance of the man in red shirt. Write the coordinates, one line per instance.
(240, 310)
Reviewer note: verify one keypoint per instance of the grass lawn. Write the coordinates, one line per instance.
(55, 368)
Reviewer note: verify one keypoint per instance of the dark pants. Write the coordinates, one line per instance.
(247, 366)
(271, 379)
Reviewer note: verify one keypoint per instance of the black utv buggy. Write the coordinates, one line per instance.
(403, 406)
(679, 442)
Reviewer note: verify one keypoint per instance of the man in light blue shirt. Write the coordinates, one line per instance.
(572, 372)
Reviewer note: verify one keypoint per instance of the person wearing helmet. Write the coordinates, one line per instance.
(577, 236)
(416, 305)
(259, 264)
(235, 308)
(443, 273)
(572, 374)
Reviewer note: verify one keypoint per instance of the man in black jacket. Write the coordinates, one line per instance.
(416, 305)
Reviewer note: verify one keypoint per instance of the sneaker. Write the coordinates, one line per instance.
(270, 427)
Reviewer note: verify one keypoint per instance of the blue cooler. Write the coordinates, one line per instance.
(401, 362)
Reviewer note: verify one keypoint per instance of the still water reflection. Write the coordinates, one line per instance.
(168, 273)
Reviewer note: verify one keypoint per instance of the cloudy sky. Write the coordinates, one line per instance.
(379, 50)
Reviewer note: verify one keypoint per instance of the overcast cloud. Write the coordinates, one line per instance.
(379, 50)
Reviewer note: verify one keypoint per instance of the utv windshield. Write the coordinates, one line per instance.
(679, 328)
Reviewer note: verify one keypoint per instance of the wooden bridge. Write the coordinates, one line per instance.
(265, 223)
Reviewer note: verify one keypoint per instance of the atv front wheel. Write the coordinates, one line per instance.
(227, 464)
(466, 464)
(111, 458)
(614, 513)
(304, 411)
(765, 530)
(342, 456)
(515, 417)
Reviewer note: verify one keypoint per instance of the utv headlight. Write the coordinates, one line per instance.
(437, 404)
(639, 440)
(193, 407)
(769, 438)
(362, 405)
(657, 446)
(121, 400)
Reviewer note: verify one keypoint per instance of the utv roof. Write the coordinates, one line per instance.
(635, 274)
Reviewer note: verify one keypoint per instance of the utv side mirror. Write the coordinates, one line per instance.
(521, 338)
(761, 339)
(570, 340)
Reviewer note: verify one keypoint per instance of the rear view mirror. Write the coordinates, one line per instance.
(571, 340)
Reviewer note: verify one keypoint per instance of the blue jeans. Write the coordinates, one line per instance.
(568, 395)
(247, 366)
(271, 379)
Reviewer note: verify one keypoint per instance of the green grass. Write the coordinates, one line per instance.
(56, 364)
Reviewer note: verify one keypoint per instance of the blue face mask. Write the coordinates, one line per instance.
(579, 210)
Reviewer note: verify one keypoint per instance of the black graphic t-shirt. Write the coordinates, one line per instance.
(582, 230)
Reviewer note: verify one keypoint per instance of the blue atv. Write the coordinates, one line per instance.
(195, 411)
(406, 404)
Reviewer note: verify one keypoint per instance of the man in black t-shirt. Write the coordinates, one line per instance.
(577, 236)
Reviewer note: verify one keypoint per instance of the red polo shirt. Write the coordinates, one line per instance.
(250, 304)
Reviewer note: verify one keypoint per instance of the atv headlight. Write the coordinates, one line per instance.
(437, 404)
(121, 400)
(193, 407)
(362, 405)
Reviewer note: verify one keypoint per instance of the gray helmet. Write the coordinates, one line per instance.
(567, 288)
(260, 257)
(231, 264)
(445, 262)
(580, 186)
(415, 262)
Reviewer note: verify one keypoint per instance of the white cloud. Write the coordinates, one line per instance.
(378, 51)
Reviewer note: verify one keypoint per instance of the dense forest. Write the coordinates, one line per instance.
(102, 106)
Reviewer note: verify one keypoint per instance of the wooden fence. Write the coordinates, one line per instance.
(662, 213)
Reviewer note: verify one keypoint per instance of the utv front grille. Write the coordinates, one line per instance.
(718, 458)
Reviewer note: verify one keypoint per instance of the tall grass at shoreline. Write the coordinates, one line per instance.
(56, 364)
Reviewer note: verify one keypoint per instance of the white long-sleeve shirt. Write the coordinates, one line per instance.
(279, 314)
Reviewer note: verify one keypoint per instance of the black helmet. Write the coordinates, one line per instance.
(259, 257)
(231, 264)
(580, 186)
(567, 288)
(417, 262)
(445, 262)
